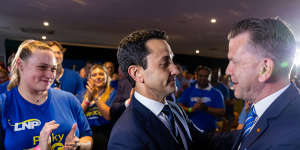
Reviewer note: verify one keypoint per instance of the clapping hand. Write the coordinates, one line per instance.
(45, 140)
(91, 89)
(72, 141)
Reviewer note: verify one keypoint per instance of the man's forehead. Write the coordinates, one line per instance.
(159, 46)
(238, 44)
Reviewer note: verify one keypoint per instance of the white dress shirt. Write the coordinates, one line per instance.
(264, 104)
(261, 106)
(156, 108)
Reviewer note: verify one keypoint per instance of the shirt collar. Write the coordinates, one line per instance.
(207, 88)
(262, 105)
(155, 106)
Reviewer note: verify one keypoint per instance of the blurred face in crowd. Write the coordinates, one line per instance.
(99, 78)
(243, 67)
(202, 78)
(3, 77)
(159, 76)
(215, 75)
(58, 54)
(109, 67)
(37, 72)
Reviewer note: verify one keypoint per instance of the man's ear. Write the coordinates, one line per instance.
(266, 70)
(135, 73)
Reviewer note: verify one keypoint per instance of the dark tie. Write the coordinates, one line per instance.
(168, 112)
(249, 123)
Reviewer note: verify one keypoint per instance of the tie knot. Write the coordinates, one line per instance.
(249, 122)
(252, 112)
(166, 110)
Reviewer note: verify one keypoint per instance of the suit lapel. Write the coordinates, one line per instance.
(237, 141)
(153, 126)
(273, 111)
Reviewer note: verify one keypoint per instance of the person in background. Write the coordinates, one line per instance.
(122, 98)
(203, 103)
(66, 79)
(84, 71)
(3, 86)
(30, 107)
(215, 81)
(3, 75)
(181, 82)
(96, 102)
(110, 67)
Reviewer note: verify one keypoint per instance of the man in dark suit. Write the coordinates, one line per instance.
(261, 55)
(150, 122)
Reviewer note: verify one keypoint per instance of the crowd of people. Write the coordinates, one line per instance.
(151, 102)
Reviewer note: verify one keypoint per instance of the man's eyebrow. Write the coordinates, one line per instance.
(165, 58)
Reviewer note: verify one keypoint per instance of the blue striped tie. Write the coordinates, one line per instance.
(249, 122)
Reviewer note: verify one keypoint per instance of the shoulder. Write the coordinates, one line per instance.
(189, 89)
(69, 72)
(128, 121)
(215, 91)
(127, 128)
(61, 95)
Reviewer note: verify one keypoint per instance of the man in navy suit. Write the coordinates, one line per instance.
(145, 57)
(261, 55)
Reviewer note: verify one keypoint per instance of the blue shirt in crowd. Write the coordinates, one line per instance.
(210, 97)
(71, 82)
(22, 121)
(93, 115)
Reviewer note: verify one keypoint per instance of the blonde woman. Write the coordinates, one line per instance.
(30, 105)
(96, 102)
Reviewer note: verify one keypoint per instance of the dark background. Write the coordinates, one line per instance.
(76, 56)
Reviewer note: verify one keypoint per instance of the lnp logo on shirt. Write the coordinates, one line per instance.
(27, 124)
(203, 99)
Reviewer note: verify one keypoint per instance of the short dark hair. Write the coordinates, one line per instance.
(201, 67)
(272, 35)
(132, 49)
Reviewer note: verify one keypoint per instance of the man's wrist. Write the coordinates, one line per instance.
(86, 103)
(190, 109)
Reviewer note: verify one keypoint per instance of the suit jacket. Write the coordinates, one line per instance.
(279, 126)
(139, 129)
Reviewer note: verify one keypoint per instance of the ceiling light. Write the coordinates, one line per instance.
(44, 37)
(197, 51)
(213, 20)
(46, 23)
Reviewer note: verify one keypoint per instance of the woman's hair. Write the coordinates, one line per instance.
(25, 50)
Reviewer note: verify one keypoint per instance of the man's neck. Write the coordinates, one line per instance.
(214, 83)
(202, 87)
(270, 88)
(151, 94)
